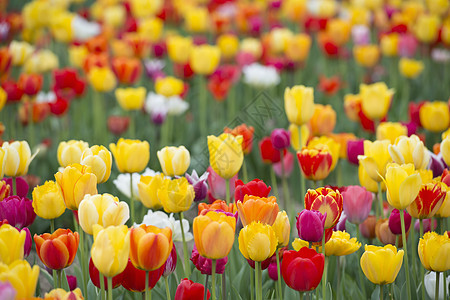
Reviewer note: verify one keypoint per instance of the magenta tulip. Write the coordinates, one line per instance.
(310, 225)
(357, 203)
(204, 265)
(395, 222)
(281, 138)
(18, 211)
(355, 148)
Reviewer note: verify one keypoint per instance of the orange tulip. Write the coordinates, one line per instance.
(203, 208)
(323, 119)
(57, 250)
(246, 132)
(150, 246)
(253, 208)
(127, 70)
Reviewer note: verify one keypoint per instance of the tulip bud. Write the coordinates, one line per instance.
(357, 203)
(272, 271)
(310, 225)
(281, 138)
(395, 222)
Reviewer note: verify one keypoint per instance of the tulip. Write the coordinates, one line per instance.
(375, 158)
(12, 243)
(298, 47)
(204, 59)
(100, 161)
(21, 186)
(75, 182)
(117, 125)
(169, 86)
(435, 116)
(341, 244)
(281, 138)
(131, 156)
(410, 150)
(284, 168)
(218, 186)
(410, 68)
(246, 132)
(256, 187)
(62, 294)
(204, 208)
(214, 234)
(269, 154)
(327, 142)
(20, 51)
(391, 131)
(428, 225)
(141, 9)
(445, 150)
(17, 157)
(102, 79)
(315, 163)
(357, 203)
(174, 160)
(433, 251)
(310, 225)
(17, 211)
(57, 250)
(389, 44)
(199, 184)
(366, 55)
(104, 210)
(179, 48)
(428, 201)
(204, 265)
(302, 270)
(376, 100)
(187, 290)
(7, 291)
(148, 188)
(257, 241)
(70, 152)
(131, 98)
(381, 264)
(430, 285)
(151, 28)
(171, 263)
(229, 45)
(225, 154)
(3, 98)
(4, 190)
(161, 220)
(327, 201)
(427, 28)
(403, 184)
(127, 70)
(299, 104)
(94, 275)
(30, 84)
(176, 195)
(367, 227)
(110, 249)
(48, 201)
(394, 222)
(386, 236)
(354, 149)
(257, 209)
(323, 120)
(133, 279)
(22, 277)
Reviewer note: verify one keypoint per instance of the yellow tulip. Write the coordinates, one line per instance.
(391, 131)
(427, 28)
(70, 152)
(20, 51)
(375, 158)
(253, 46)
(445, 150)
(102, 79)
(48, 201)
(61, 25)
(174, 160)
(75, 182)
(144, 8)
(359, 16)
(114, 16)
(100, 160)
(257, 241)
(17, 158)
(438, 7)
(179, 48)
(445, 35)
(435, 116)
(204, 59)
(110, 249)
(332, 146)
(176, 195)
(228, 45)
(298, 244)
(339, 31)
(151, 29)
(367, 182)
(366, 55)
(297, 48)
(41, 62)
(148, 187)
(375, 100)
(282, 229)
(21, 276)
(389, 44)
(403, 184)
(60, 294)
(225, 154)
(279, 39)
(11, 244)
(434, 251)
(299, 104)
(131, 156)
(131, 98)
(410, 68)
(352, 106)
(410, 150)
(3, 98)
(169, 86)
(381, 264)
(77, 55)
(105, 210)
(196, 19)
(214, 234)
(293, 129)
(340, 244)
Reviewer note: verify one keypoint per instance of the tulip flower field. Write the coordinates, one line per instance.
(224, 149)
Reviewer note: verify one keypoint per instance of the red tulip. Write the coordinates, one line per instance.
(13, 91)
(59, 107)
(269, 154)
(5, 63)
(118, 124)
(127, 70)
(302, 270)
(204, 265)
(256, 187)
(329, 86)
(67, 84)
(31, 84)
(189, 290)
(94, 274)
(133, 279)
(95, 60)
(325, 200)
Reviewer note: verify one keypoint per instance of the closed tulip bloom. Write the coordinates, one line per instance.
(75, 182)
(214, 234)
(257, 241)
(323, 120)
(145, 240)
(5, 188)
(389, 44)
(410, 68)
(131, 156)
(204, 208)
(70, 152)
(376, 157)
(391, 131)
(225, 154)
(269, 154)
(22, 277)
(311, 225)
(105, 210)
(17, 157)
(169, 86)
(176, 195)
(430, 285)
(410, 150)
(62, 294)
(357, 203)
(174, 160)
(228, 44)
(127, 70)
(100, 160)
(386, 236)
(281, 138)
(434, 251)
(366, 55)
(57, 250)
(427, 28)
(94, 275)
(341, 244)
(403, 184)
(196, 19)
(428, 201)
(48, 201)
(246, 132)
(102, 79)
(435, 116)
(445, 150)
(133, 279)
(179, 48)
(12, 243)
(148, 188)
(204, 59)
(367, 227)
(327, 142)
(256, 209)
(204, 265)
(299, 104)
(298, 47)
(395, 222)
(315, 163)
(381, 264)
(375, 100)
(17, 211)
(187, 290)
(131, 98)
(327, 201)
(110, 249)
(282, 229)
(302, 270)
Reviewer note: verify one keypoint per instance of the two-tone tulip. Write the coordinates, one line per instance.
(315, 163)
(410, 150)
(326, 201)
(57, 250)
(428, 200)
(17, 157)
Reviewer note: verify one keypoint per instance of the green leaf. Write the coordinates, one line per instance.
(376, 293)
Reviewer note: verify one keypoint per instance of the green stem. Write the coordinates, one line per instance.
(252, 285)
(405, 248)
(166, 281)
(302, 176)
(83, 258)
(14, 185)
(99, 117)
(273, 179)
(380, 200)
(381, 292)
(52, 225)
(132, 200)
(286, 196)
(224, 286)
(55, 279)
(441, 225)
(59, 273)
(324, 276)
(436, 293)
(339, 173)
(279, 275)
(361, 278)
(301, 295)
(102, 285)
(203, 98)
(109, 282)
(213, 279)
(187, 270)
(231, 104)
(132, 127)
(148, 292)
(227, 181)
(422, 271)
(205, 295)
(445, 286)
(245, 171)
(259, 281)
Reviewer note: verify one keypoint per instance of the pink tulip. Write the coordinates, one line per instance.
(217, 185)
(288, 165)
(357, 203)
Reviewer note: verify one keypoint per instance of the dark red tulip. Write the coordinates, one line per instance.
(13, 91)
(256, 187)
(171, 262)
(94, 274)
(118, 124)
(395, 223)
(21, 186)
(269, 154)
(281, 138)
(355, 148)
(189, 290)
(133, 279)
